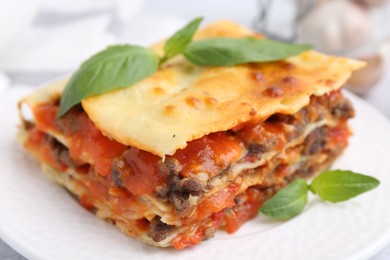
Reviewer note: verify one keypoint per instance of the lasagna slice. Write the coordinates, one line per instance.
(190, 149)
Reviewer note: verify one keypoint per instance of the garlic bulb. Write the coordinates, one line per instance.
(372, 3)
(363, 80)
(336, 26)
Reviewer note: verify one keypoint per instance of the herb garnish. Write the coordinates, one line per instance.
(226, 51)
(333, 186)
(288, 202)
(123, 65)
(178, 42)
(115, 67)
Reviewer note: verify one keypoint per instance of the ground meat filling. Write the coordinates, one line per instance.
(61, 152)
(178, 190)
(68, 124)
(116, 177)
(315, 141)
(257, 149)
(261, 138)
(158, 230)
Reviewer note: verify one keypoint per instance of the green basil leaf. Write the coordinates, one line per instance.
(342, 185)
(115, 67)
(177, 42)
(227, 51)
(288, 202)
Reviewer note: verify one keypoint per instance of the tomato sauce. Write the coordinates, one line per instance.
(205, 230)
(89, 142)
(338, 135)
(45, 115)
(216, 202)
(37, 144)
(271, 134)
(245, 211)
(139, 172)
(86, 142)
(210, 154)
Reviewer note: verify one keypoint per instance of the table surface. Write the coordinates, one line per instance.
(212, 10)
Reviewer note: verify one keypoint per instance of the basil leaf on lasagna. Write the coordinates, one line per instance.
(115, 67)
(177, 42)
(288, 202)
(232, 51)
(338, 185)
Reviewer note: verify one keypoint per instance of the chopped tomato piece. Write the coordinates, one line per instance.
(236, 217)
(86, 202)
(210, 154)
(142, 224)
(138, 171)
(183, 240)
(36, 143)
(339, 135)
(89, 142)
(272, 135)
(217, 202)
(97, 190)
(45, 115)
(205, 230)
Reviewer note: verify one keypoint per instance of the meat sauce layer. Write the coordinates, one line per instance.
(209, 155)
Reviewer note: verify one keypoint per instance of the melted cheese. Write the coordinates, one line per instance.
(182, 102)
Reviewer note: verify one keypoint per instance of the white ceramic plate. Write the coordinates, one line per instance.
(41, 221)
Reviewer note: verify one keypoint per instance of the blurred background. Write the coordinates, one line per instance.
(44, 39)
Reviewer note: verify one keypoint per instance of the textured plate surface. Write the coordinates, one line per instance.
(41, 221)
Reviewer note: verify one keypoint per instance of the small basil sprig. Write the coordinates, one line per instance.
(178, 42)
(123, 65)
(336, 186)
(228, 51)
(333, 186)
(288, 202)
(115, 67)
